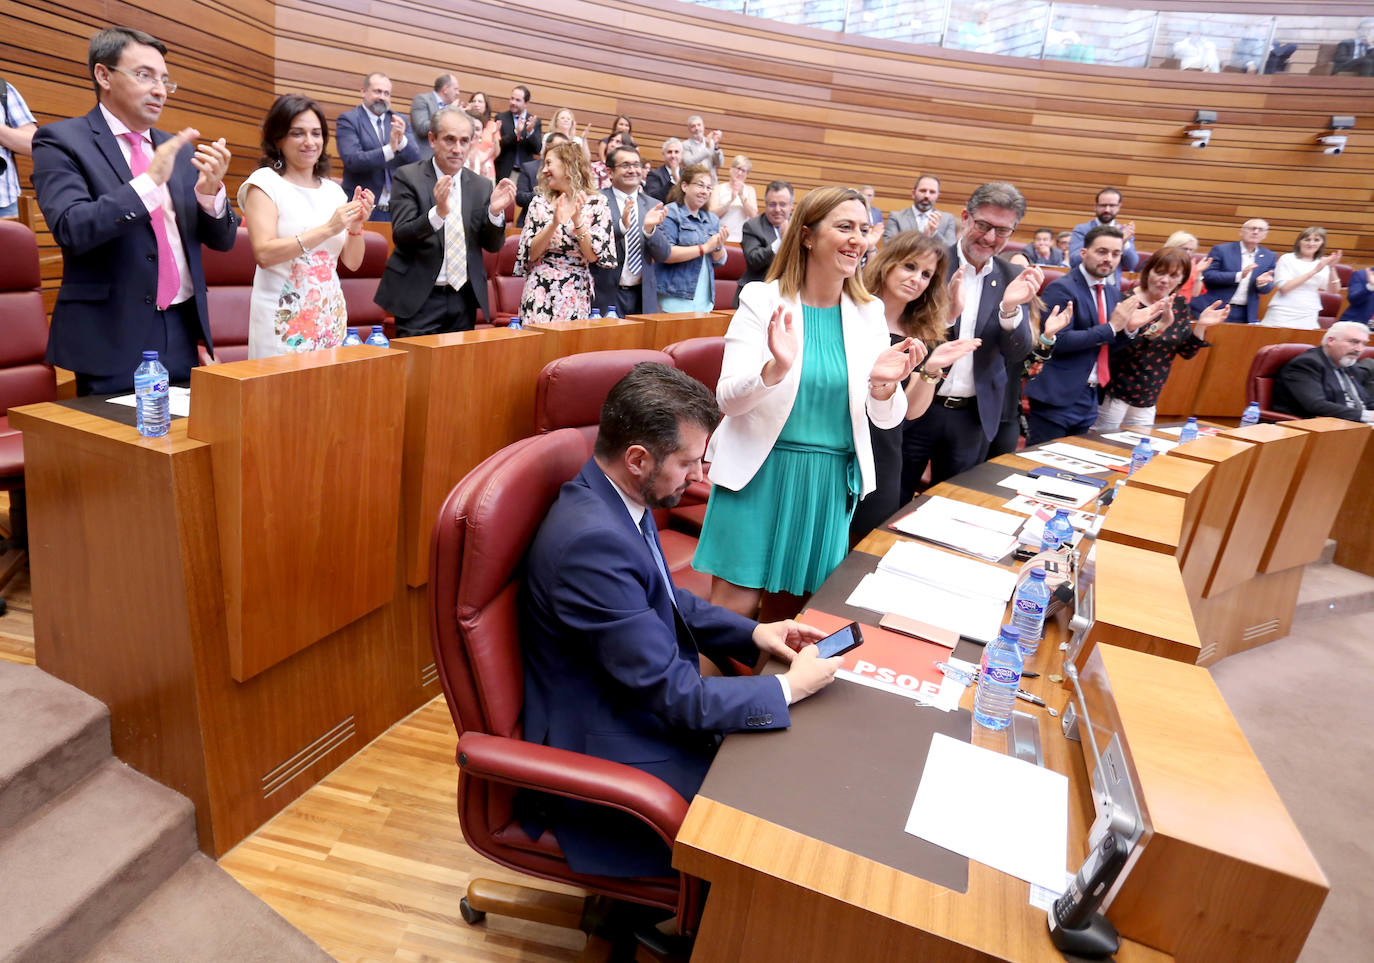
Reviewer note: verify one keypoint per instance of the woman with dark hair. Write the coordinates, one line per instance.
(486, 142)
(1299, 279)
(907, 276)
(567, 229)
(807, 364)
(1140, 367)
(696, 244)
(601, 173)
(300, 224)
(622, 125)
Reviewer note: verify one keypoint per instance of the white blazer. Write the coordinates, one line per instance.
(755, 412)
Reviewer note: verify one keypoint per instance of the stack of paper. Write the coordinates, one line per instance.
(1133, 438)
(961, 594)
(1065, 494)
(1102, 459)
(984, 532)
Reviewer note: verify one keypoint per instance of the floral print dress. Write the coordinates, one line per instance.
(558, 287)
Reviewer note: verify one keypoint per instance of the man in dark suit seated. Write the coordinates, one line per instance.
(631, 286)
(130, 207)
(1064, 395)
(762, 234)
(522, 134)
(446, 216)
(613, 652)
(1356, 55)
(1325, 380)
(661, 179)
(1041, 250)
(374, 143)
(1240, 272)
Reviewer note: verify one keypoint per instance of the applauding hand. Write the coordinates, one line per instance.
(782, 345)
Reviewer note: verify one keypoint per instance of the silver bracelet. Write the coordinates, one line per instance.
(302, 244)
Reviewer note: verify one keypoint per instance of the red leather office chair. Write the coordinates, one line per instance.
(1050, 274)
(724, 294)
(476, 552)
(732, 270)
(25, 378)
(360, 288)
(569, 394)
(505, 260)
(506, 304)
(229, 296)
(1259, 386)
(1343, 271)
(701, 358)
(1331, 308)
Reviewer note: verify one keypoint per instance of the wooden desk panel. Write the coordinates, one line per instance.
(573, 337)
(306, 450)
(1278, 452)
(1145, 519)
(1229, 463)
(1180, 477)
(1225, 368)
(1140, 602)
(661, 330)
(468, 395)
(1354, 531)
(1325, 473)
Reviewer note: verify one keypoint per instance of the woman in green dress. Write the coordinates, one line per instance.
(807, 366)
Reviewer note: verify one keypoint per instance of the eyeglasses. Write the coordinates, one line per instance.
(1255, 230)
(627, 165)
(146, 78)
(981, 227)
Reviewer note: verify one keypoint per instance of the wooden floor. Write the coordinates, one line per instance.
(370, 863)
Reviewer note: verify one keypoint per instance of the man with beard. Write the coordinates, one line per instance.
(762, 234)
(373, 142)
(922, 215)
(1107, 207)
(613, 651)
(1064, 395)
(446, 216)
(1324, 380)
(630, 286)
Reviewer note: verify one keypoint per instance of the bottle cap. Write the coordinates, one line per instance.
(150, 356)
(1038, 573)
(1011, 631)
(353, 332)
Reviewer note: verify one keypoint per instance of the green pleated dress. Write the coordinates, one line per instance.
(788, 528)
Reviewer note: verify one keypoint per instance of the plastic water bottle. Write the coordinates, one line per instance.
(1058, 532)
(352, 337)
(611, 312)
(595, 315)
(1251, 416)
(152, 403)
(1028, 611)
(998, 679)
(1189, 432)
(1141, 454)
(515, 323)
(378, 337)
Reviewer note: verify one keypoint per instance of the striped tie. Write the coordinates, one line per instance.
(634, 242)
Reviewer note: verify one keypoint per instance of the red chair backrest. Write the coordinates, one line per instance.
(1259, 386)
(733, 268)
(699, 357)
(1343, 271)
(1050, 274)
(508, 292)
(505, 261)
(571, 390)
(724, 294)
(479, 541)
(1331, 304)
(25, 378)
(360, 287)
(229, 296)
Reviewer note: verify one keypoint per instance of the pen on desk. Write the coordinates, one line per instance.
(1030, 675)
(1029, 697)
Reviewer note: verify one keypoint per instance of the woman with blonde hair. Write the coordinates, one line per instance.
(807, 364)
(567, 229)
(1192, 287)
(565, 122)
(735, 201)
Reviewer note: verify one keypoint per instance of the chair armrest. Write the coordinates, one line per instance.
(577, 776)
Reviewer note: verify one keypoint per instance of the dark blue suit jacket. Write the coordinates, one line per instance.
(360, 150)
(609, 672)
(1061, 382)
(1220, 278)
(606, 280)
(106, 310)
(999, 347)
(1361, 302)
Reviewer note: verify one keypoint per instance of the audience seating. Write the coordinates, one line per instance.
(724, 297)
(505, 260)
(569, 394)
(229, 295)
(1050, 274)
(701, 358)
(479, 540)
(1331, 308)
(1343, 271)
(25, 378)
(733, 268)
(360, 287)
(506, 301)
(1260, 385)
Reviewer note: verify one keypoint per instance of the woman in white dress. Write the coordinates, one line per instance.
(300, 224)
(735, 202)
(1299, 279)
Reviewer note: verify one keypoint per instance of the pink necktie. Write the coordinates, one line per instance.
(1104, 374)
(168, 277)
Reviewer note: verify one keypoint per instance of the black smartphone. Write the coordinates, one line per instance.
(838, 643)
(1089, 887)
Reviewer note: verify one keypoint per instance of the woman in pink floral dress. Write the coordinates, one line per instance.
(567, 229)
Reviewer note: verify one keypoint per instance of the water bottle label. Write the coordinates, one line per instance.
(1002, 674)
(152, 387)
(1029, 607)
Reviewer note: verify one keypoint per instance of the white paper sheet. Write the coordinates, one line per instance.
(178, 400)
(959, 535)
(1063, 494)
(960, 576)
(1056, 460)
(937, 506)
(1026, 505)
(1103, 459)
(1132, 438)
(1178, 430)
(977, 616)
(993, 808)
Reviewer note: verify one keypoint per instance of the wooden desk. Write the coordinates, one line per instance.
(1212, 384)
(661, 330)
(562, 338)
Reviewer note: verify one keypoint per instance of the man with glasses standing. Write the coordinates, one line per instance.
(1241, 271)
(130, 207)
(630, 287)
(1106, 208)
(954, 433)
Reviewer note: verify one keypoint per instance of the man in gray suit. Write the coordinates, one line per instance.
(922, 215)
(444, 217)
(630, 286)
(424, 106)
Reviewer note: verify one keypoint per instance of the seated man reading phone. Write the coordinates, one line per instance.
(613, 652)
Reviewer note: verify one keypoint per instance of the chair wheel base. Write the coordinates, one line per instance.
(470, 916)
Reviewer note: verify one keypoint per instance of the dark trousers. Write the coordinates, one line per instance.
(1048, 422)
(950, 439)
(380, 215)
(444, 310)
(1008, 434)
(1239, 314)
(630, 300)
(174, 340)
